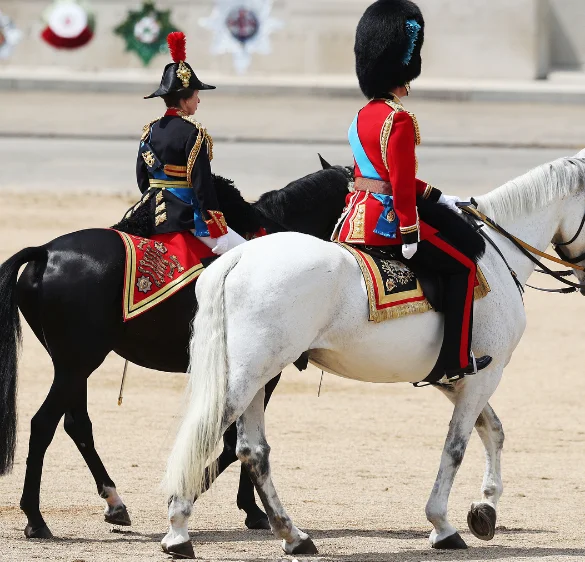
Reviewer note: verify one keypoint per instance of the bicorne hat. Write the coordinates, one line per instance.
(388, 44)
(178, 75)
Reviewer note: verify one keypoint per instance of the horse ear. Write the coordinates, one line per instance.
(324, 164)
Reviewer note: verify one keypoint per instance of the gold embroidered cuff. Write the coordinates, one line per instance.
(410, 234)
(408, 229)
(216, 224)
(431, 193)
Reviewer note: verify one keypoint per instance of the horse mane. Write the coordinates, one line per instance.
(311, 205)
(239, 214)
(318, 194)
(536, 189)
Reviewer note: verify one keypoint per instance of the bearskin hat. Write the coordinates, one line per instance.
(388, 44)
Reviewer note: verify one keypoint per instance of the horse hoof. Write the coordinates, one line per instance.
(183, 550)
(453, 542)
(306, 547)
(481, 520)
(118, 516)
(38, 533)
(258, 522)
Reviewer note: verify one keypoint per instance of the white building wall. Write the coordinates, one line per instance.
(465, 39)
(567, 28)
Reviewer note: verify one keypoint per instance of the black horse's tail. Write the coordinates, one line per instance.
(10, 335)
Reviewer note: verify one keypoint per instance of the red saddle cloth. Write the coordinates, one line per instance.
(158, 267)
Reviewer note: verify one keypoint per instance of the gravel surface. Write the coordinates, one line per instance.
(353, 467)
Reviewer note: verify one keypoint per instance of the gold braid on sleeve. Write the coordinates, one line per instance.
(416, 128)
(385, 137)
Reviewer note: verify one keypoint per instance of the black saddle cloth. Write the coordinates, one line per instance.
(431, 283)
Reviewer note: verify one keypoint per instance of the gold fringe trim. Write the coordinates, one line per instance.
(146, 129)
(483, 289)
(400, 311)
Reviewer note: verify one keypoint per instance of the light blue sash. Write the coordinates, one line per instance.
(366, 167)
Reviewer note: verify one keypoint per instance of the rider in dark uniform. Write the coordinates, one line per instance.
(173, 167)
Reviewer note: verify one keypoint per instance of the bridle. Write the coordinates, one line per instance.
(530, 251)
(561, 253)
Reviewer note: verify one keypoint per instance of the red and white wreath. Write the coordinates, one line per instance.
(70, 24)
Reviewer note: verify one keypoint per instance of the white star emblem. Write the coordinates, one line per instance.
(241, 27)
(9, 36)
(144, 284)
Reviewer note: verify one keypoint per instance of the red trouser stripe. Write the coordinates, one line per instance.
(470, 264)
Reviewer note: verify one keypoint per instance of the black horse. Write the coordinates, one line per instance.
(70, 293)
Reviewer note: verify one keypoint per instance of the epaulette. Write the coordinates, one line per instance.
(203, 134)
(399, 108)
(146, 128)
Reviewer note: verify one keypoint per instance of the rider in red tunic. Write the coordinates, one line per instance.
(382, 210)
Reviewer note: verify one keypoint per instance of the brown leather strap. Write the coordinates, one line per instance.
(528, 247)
(373, 186)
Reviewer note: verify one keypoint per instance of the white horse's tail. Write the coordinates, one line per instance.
(201, 430)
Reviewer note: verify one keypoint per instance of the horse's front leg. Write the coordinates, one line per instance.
(470, 397)
(481, 518)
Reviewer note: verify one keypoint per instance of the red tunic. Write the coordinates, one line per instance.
(388, 135)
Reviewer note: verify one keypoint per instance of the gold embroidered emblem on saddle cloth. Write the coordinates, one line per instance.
(393, 289)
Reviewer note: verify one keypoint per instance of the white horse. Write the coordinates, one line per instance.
(266, 302)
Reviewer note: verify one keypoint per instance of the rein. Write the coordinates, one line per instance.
(529, 250)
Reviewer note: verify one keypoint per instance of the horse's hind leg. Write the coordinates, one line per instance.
(253, 451)
(481, 518)
(470, 397)
(78, 427)
(255, 517)
(43, 426)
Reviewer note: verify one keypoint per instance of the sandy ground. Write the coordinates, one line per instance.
(354, 467)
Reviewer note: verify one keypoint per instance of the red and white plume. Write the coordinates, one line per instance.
(177, 46)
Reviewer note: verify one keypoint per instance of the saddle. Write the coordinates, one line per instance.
(395, 289)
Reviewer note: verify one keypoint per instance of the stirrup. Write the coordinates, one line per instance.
(474, 366)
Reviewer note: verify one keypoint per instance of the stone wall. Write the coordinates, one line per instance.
(567, 36)
(466, 39)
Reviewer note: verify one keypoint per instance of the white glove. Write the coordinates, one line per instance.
(450, 201)
(408, 250)
(222, 245)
